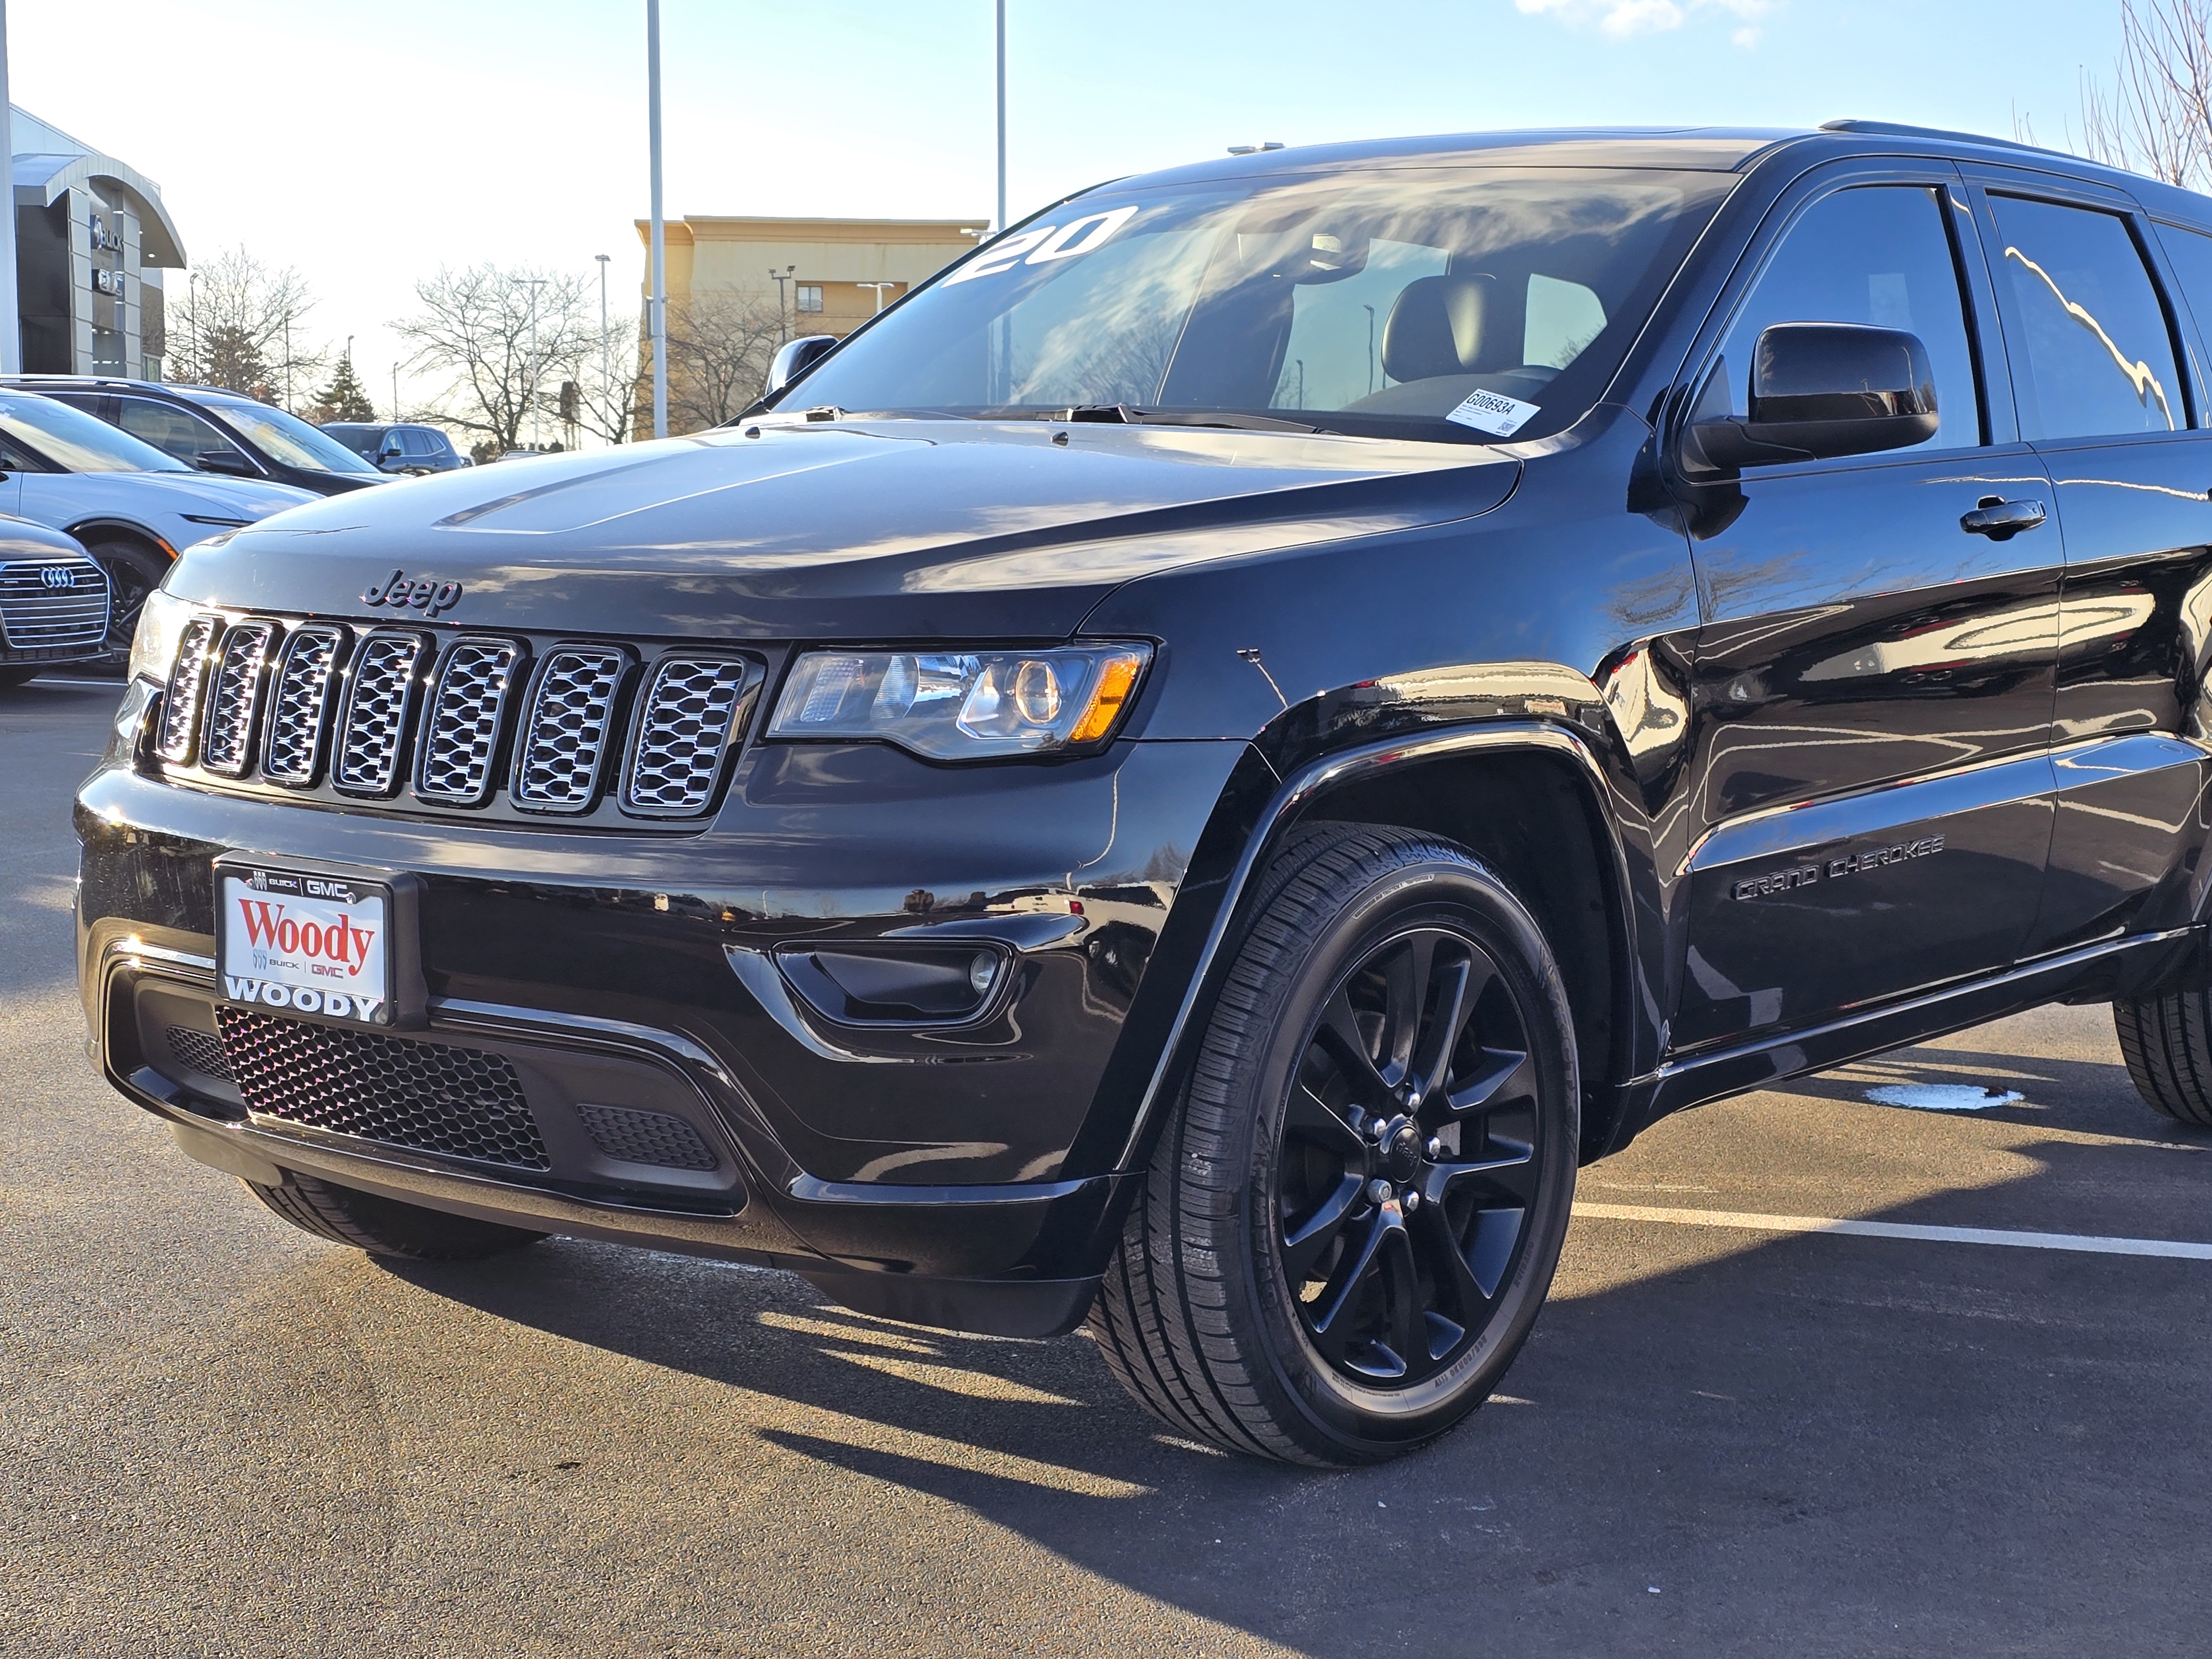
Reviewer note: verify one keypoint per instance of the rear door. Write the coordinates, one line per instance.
(1873, 680)
(2096, 354)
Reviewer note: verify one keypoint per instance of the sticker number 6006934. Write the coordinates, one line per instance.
(1043, 244)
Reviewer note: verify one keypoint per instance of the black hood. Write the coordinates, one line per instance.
(893, 530)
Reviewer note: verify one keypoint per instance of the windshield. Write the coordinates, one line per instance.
(361, 440)
(77, 442)
(1465, 304)
(289, 439)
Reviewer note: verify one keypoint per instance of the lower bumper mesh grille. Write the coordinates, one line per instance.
(636, 1137)
(198, 1051)
(462, 1102)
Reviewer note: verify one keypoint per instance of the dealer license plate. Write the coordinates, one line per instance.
(310, 944)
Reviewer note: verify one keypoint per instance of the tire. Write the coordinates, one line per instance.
(2167, 1043)
(384, 1226)
(17, 673)
(134, 570)
(1266, 1296)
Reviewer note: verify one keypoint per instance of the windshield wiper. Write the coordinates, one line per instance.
(1128, 414)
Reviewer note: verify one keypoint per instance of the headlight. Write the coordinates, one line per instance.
(161, 625)
(963, 704)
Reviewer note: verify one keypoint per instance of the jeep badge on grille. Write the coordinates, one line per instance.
(424, 593)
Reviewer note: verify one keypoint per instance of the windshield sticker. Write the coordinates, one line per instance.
(1492, 412)
(1043, 245)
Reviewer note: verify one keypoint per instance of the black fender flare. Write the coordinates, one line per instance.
(1291, 802)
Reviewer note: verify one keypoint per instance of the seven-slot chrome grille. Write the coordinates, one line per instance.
(509, 728)
(52, 604)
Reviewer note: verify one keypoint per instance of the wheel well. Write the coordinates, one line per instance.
(108, 530)
(1533, 820)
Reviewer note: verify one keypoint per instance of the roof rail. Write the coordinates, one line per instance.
(1900, 130)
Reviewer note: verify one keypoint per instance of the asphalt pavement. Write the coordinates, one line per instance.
(218, 1435)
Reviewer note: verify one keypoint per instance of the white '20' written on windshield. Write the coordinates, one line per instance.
(1045, 244)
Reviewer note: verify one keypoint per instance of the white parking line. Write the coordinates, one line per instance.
(2087, 1243)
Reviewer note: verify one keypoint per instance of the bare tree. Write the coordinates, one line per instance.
(607, 405)
(502, 335)
(719, 345)
(2155, 116)
(242, 326)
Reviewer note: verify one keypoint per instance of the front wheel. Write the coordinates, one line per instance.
(133, 571)
(385, 1226)
(1347, 1230)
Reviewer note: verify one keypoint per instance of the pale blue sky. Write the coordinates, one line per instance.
(514, 130)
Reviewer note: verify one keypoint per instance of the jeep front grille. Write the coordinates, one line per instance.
(460, 735)
(512, 729)
(565, 736)
(299, 706)
(234, 698)
(52, 604)
(181, 708)
(681, 734)
(378, 703)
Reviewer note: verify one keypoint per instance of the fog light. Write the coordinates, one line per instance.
(983, 973)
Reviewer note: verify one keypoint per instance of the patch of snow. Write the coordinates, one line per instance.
(1941, 1096)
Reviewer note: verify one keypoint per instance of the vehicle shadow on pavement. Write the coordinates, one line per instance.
(1715, 1440)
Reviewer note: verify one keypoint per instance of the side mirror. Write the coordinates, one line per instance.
(1822, 390)
(795, 359)
(391, 461)
(229, 461)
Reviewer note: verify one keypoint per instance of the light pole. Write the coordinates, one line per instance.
(192, 288)
(606, 371)
(1001, 225)
(533, 283)
(395, 391)
(656, 321)
(879, 288)
(11, 331)
(780, 277)
(287, 364)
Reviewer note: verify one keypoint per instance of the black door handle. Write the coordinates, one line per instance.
(1997, 518)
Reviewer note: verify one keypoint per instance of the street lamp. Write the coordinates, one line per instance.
(879, 288)
(657, 306)
(1001, 226)
(780, 277)
(606, 372)
(395, 391)
(533, 283)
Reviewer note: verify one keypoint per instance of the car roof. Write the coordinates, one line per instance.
(1684, 148)
(183, 390)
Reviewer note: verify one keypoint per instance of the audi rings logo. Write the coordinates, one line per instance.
(56, 576)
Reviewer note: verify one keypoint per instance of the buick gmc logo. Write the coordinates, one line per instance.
(424, 593)
(56, 576)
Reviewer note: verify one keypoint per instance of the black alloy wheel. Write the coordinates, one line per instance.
(133, 571)
(1408, 1159)
(1350, 1223)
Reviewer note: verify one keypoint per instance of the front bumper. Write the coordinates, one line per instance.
(946, 1176)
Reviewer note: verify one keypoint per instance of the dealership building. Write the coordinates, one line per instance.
(92, 239)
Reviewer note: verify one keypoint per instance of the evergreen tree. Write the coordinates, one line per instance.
(343, 399)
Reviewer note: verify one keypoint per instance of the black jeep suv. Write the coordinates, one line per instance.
(1193, 770)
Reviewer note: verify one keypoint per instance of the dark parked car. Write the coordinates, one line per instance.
(1193, 769)
(399, 448)
(214, 431)
(54, 599)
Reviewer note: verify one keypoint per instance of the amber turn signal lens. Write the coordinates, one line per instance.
(1117, 677)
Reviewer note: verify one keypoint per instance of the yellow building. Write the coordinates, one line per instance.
(825, 262)
(727, 311)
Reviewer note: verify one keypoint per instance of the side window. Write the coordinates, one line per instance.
(2097, 358)
(170, 429)
(413, 440)
(2190, 252)
(1876, 254)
